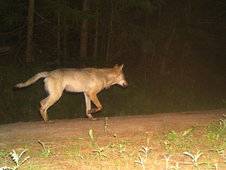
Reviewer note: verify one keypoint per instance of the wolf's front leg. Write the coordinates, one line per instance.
(88, 107)
(95, 100)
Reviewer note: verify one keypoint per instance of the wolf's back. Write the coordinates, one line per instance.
(32, 80)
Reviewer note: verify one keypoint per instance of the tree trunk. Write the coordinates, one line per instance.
(109, 34)
(159, 16)
(30, 27)
(65, 52)
(163, 64)
(58, 33)
(84, 31)
(95, 45)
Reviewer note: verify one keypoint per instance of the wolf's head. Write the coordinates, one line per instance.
(119, 76)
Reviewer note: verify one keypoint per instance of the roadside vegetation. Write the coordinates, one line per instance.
(198, 147)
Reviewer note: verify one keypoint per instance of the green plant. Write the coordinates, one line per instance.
(173, 136)
(91, 136)
(121, 148)
(100, 151)
(16, 159)
(4, 155)
(167, 160)
(215, 166)
(180, 141)
(219, 149)
(195, 158)
(142, 159)
(176, 167)
(167, 145)
(78, 138)
(217, 130)
(74, 151)
(45, 152)
(106, 125)
(145, 151)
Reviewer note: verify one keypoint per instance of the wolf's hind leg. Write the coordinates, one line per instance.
(55, 93)
(43, 114)
(43, 111)
(46, 104)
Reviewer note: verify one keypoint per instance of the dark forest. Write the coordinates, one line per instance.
(173, 51)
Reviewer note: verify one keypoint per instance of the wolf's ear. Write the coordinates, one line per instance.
(116, 66)
(120, 67)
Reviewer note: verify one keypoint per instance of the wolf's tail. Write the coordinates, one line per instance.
(32, 80)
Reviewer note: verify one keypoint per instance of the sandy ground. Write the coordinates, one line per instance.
(26, 134)
(126, 125)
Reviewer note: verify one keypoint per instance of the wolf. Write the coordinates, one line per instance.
(89, 81)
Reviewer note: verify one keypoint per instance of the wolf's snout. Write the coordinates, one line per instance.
(125, 84)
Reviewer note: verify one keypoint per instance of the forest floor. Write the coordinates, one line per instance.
(154, 141)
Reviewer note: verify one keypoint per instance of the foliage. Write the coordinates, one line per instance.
(219, 149)
(16, 158)
(100, 152)
(4, 155)
(92, 138)
(216, 130)
(106, 125)
(181, 141)
(142, 159)
(195, 158)
(121, 153)
(45, 152)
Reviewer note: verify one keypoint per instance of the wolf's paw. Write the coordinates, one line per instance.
(18, 85)
(49, 122)
(91, 117)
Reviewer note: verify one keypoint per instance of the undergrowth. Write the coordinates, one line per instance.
(178, 150)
